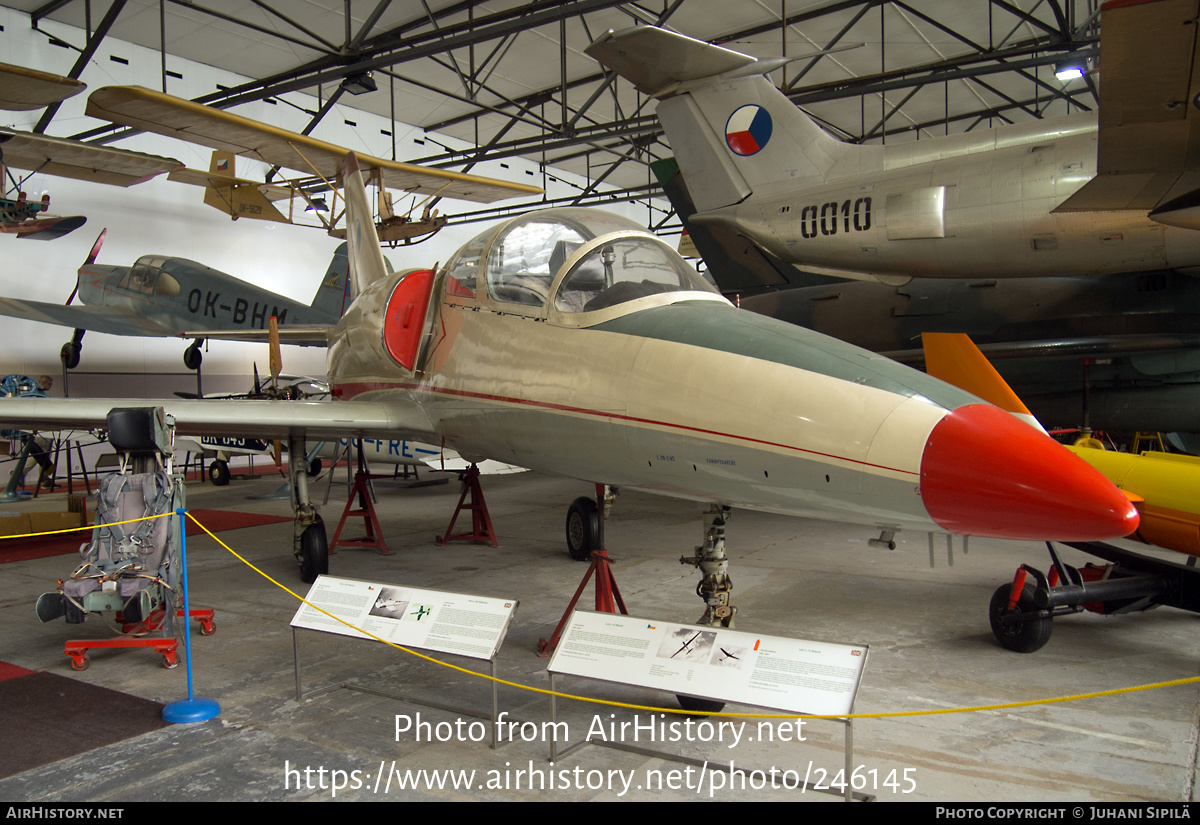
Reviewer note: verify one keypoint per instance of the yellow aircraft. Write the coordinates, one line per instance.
(1164, 488)
(319, 163)
(23, 89)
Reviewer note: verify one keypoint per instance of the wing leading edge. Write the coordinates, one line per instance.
(184, 119)
(400, 417)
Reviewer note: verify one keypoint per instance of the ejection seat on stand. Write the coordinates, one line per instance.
(131, 571)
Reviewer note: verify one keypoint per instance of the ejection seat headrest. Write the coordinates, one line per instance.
(138, 430)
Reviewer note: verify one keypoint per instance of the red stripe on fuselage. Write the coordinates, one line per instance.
(345, 392)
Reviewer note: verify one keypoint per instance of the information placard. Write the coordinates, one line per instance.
(791, 675)
(472, 626)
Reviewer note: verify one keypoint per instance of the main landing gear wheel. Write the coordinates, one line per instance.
(1024, 636)
(314, 552)
(314, 468)
(583, 529)
(192, 356)
(218, 472)
(69, 354)
(691, 703)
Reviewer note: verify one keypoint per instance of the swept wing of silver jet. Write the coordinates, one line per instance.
(574, 342)
(984, 204)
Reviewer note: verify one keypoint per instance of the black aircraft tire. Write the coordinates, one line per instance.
(193, 357)
(69, 354)
(695, 705)
(583, 529)
(218, 472)
(314, 468)
(1027, 636)
(314, 552)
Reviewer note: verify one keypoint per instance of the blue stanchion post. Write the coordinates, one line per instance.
(190, 709)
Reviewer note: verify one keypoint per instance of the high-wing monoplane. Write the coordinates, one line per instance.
(166, 296)
(40, 154)
(23, 89)
(574, 342)
(318, 162)
(986, 204)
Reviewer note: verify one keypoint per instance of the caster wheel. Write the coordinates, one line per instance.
(81, 663)
(1025, 636)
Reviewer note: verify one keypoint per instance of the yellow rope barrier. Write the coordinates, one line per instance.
(891, 714)
(941, 711)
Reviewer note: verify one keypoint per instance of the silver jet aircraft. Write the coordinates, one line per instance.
(574, 342)
(983, 204)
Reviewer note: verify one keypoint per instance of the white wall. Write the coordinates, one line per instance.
(168, 218)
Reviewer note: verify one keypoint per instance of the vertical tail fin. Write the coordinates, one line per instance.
(333, 294)
(732, 131)
(366, 258)
(954, 358)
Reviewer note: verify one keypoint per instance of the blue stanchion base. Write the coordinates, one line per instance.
(191, 710)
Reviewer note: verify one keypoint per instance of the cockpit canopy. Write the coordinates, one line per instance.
(148, 277)
(586, 259)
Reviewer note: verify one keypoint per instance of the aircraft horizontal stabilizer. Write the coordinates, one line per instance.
(657, 61)
(298, 335)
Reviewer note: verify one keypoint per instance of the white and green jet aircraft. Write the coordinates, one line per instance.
(575, 342)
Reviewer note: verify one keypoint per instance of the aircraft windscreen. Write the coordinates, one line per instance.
(623, 270)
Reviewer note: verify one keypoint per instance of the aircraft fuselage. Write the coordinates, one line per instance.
(971, 205)
(678, 393)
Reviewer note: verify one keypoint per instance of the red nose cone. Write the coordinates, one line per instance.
(986, 473)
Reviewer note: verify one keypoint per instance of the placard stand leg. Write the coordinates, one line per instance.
(494, 718)
(848, 794)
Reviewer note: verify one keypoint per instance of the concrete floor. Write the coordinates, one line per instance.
(931, 647)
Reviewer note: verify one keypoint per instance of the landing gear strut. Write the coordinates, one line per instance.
(715, 586)
(309, 541)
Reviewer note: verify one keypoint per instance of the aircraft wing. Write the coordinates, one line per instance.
(83, 161)
(262, 419)
(23, 89)
(112, 320)
(1149, 150)
(175, 117)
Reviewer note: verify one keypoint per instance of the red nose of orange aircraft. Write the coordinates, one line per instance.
(1024, 487)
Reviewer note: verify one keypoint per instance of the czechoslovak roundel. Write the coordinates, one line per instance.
(748, 129)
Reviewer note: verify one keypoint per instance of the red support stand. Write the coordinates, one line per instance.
(481, 522)
(608, 598)
(374, 536)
